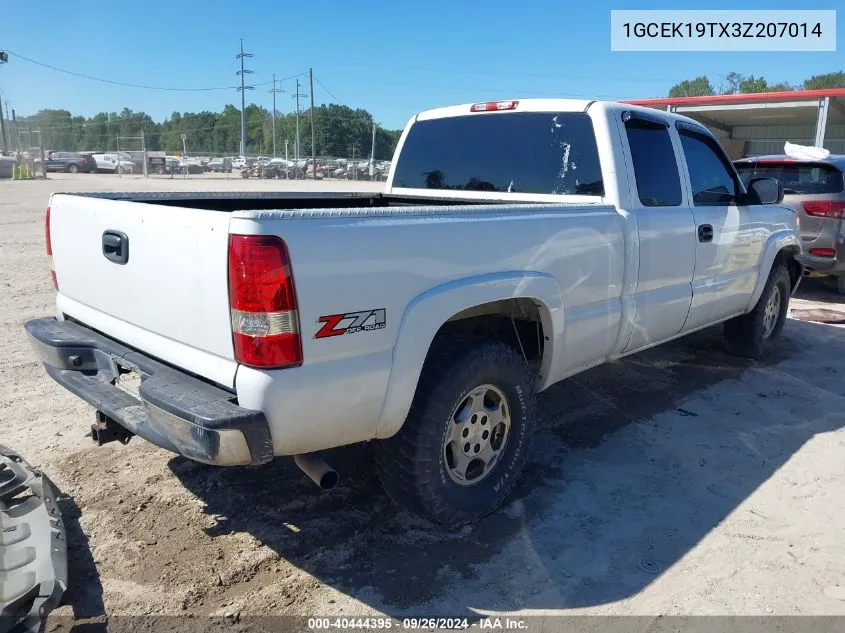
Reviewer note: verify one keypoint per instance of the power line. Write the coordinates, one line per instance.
(117, 83)
(142, 86)
(331, 94)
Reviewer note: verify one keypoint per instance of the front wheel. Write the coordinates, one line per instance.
(464, 443)
(72, 169)
(749, 335)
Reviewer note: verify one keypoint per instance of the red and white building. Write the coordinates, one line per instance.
(755, 124)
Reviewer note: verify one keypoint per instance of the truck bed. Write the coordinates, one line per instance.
(262, 200)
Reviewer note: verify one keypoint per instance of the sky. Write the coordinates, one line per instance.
(392, 58)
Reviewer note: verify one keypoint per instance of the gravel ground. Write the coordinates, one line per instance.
(677, 481)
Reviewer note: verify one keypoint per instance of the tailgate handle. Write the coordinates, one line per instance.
(116, 247)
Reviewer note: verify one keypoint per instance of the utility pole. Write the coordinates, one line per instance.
(185, 153)
(296, 141)
(143, 152)
(275, 91)
(373, 153)
(17, 133)
(313, 145)
(243, 72)
(4, 57)
(12, 131)
(3, 127)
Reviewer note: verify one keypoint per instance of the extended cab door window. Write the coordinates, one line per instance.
(655, 165)
(712, 178)
(665, 228)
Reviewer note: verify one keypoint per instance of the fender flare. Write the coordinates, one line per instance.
(778, 241)
(427, 312)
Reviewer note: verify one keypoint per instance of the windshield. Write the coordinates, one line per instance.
(526, 152)
(796, 178)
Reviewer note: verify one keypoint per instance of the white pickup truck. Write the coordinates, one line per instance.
(515, 244)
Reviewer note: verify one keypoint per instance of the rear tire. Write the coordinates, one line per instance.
(749, 335)
(72, 169)
(840, 285)
(450, 462)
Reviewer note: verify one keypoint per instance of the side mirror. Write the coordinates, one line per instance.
(765, 191)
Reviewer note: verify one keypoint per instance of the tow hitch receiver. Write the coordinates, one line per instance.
(106, 430)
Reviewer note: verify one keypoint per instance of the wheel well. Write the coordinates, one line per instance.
(517, 322)
(786, 256)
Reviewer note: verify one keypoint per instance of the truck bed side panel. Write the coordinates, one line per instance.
(351, 262)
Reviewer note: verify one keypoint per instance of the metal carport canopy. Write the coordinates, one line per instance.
(789, 107)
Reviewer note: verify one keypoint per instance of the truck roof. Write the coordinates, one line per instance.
(548, 105)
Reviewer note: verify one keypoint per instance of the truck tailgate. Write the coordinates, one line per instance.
(169, 298)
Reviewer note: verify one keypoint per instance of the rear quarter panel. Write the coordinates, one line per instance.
(348, 261)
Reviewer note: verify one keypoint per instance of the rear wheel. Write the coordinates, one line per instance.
(73, 169)
(840, 285)
(464, 443)
(750, 334)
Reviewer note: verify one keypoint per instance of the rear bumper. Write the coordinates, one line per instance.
(823, 265)
(173, 409)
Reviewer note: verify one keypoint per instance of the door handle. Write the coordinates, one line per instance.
(116, 247)
(705, 233)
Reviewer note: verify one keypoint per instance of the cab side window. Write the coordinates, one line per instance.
(655, 165)
(712, 179)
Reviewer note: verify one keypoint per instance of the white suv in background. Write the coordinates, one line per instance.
(113, 163)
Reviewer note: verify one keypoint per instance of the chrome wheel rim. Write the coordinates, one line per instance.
(771, 312)
(477, 435)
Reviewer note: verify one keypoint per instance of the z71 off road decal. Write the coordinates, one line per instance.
(351, 323)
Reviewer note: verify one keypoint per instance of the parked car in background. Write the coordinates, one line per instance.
(239, 162)
(71, 162)
(190, 166)
(172, 164)
(221, 165)
(112, 163)
(816, 191)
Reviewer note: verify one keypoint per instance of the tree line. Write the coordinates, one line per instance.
(736, 83)
(338, 131)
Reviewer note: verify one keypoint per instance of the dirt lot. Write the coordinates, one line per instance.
(677, 481)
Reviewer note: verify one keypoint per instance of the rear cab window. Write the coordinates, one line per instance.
(803, 178)
(518, 152)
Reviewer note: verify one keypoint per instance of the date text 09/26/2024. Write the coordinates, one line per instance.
(423, 624)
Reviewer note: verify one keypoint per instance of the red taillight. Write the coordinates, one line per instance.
(823, 252)
(493, 106)
(825, 208)
(265, 323)
(49, 244)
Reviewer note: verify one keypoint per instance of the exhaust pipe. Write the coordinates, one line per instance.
(317, 470)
